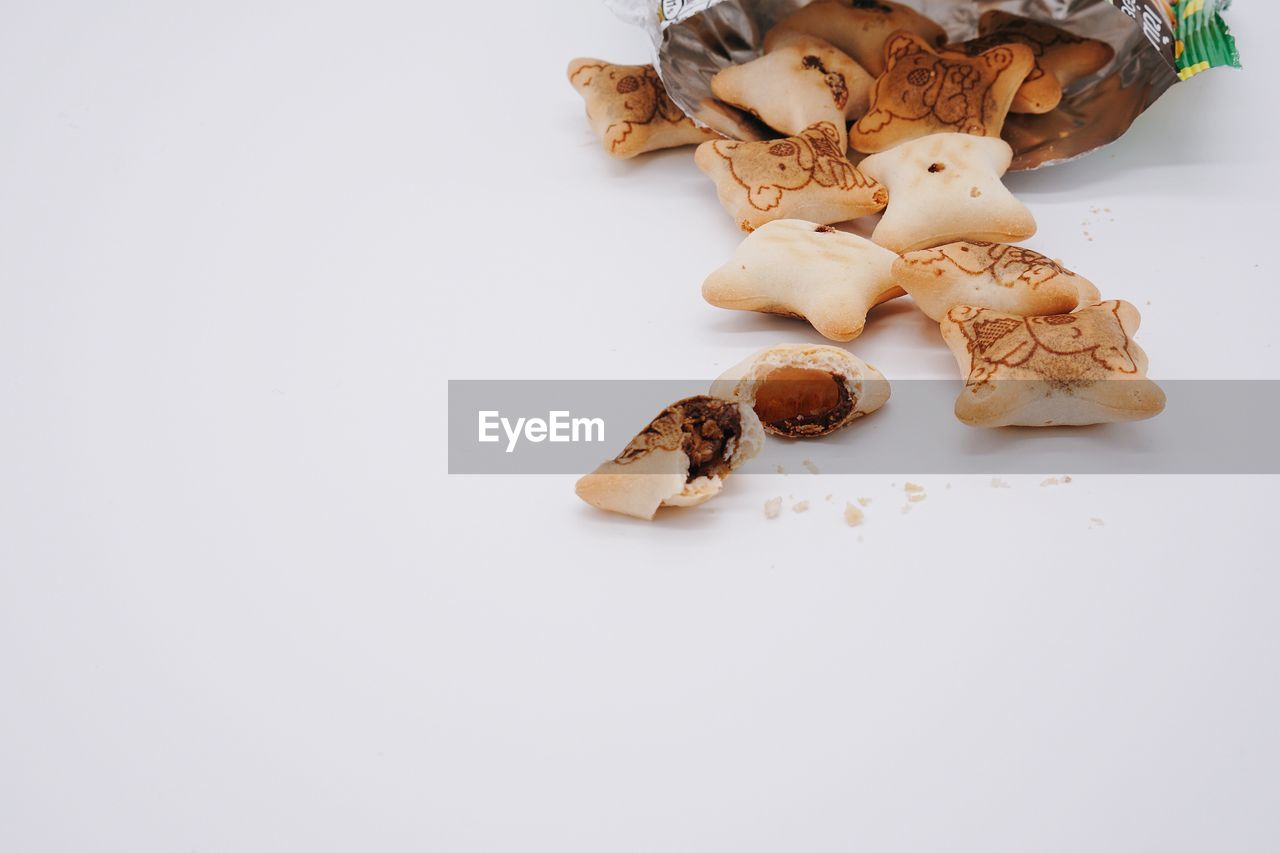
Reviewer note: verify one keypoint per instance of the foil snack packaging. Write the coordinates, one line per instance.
(1157, 43)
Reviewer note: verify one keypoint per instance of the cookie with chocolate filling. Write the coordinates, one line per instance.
(804, 390)
(680, 459)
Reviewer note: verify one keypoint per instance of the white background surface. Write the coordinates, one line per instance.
(243, 608)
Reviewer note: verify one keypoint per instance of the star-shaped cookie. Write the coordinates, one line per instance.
(922, 92)
(802, 269)
(1058, 370)
(860, 28)
(944, 188)
(990, 275)
(630, 110)
(1061, 57)
(801, 82)
(805, 176)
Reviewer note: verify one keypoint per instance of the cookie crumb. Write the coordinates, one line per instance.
(772, 507)
(1051, 481)
(800, 506)
(852, 515)
(809, 466)
(781, 470)
(917, 497)
(912, 488)
(997, 483)
(864, 501)
(1066, 479)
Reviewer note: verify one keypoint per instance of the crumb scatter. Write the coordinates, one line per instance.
(772, 507)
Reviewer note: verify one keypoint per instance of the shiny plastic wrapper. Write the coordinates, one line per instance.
(1156, 43)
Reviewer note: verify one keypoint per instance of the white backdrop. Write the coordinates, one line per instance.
(244, 608)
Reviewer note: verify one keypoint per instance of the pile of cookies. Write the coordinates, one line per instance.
(874, 112)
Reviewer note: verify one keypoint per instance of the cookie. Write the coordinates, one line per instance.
(860, 28)
(801, 269)
(804, 390)
(680, 459)
(1003, 278)
(629, 108)
(802, 82)
(1057, 370)
(945, 188)
(805, 176)
(922, 92)
(1061, 57)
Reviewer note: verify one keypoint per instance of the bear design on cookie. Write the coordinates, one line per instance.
(922, 92)
(1086, 344)
(810, 157)
(630, 109)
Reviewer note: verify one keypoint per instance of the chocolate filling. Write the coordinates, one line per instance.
(701, 426)
(801, 402)
(708, 426)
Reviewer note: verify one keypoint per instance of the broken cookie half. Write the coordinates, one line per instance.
(680, 459)
(804, 390)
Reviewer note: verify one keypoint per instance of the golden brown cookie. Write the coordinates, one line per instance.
(860, 28)
(629, 108)
(1061, 57)
(944, 188)
(922, 92)
(1059, 370)
(802, 269)
(990, 275)
(797, 85)
(805, 176)
(680, 459)
(804, 390)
